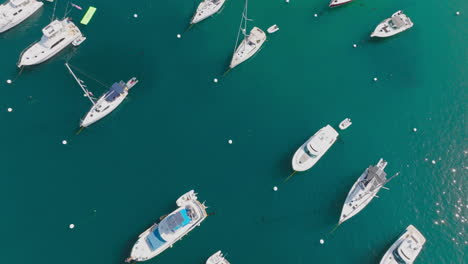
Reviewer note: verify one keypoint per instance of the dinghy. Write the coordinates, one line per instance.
(273, 29)
(345, 124)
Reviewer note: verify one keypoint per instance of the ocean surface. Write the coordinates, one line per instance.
(117, 177)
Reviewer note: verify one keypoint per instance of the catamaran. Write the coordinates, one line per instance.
(217, 258)
(172, 228)
(335, 3)
(206, 9)
(14, 12)
(406, 249)
(56, 36)
(398, 23)
(107, 103)
(314, 148)
(251, 43)
(364, 190)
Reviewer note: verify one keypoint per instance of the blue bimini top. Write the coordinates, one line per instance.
(178, 220)
(115, 90)
(155, 240)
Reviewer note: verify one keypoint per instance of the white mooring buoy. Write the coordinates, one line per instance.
(64, 142)
(8, 81)
(315, 15)
(10, 109)
(322, 241)
(215, 80)
(375, 79)
(457, 13)
(71, 226)
(415, 130)
(135, 15)
(230, 141)
(354, 45)
(275, 188)
(179, 36)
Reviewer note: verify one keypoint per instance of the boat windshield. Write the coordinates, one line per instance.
(306, 150)
(397, 257)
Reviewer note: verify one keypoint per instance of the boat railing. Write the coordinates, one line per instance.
(22, 53)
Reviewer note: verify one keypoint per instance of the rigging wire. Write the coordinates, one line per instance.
(90, 77)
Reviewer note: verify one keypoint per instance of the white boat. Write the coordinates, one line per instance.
(345, 124)
(206, 9)
(107, 103)
(217, 258)
(172, 228)
(273, 29)
(314, 148)
(406, 249)
(364, 190)
(14, 12)
(399, 22)
(56, 36)
(335, 3)
(251, 43)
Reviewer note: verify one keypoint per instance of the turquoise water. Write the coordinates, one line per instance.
(117, 177)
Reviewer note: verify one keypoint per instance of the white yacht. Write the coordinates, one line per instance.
(399, 22)
(335, 3)
(172, 228)
(217, 258)
(364, 190)
(107, 103)
(406, 249)
(314, 148)
(56, 36)
(206, 9)
(14, 12)
(248, 47)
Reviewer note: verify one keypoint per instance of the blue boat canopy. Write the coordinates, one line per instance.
(155, 240)
(178, 220)
(115, 90)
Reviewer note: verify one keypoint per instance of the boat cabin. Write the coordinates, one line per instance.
(52, 29)
(115, 91)
(17, 3)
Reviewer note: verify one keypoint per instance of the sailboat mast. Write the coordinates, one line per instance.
(80, 84)
(242, 26)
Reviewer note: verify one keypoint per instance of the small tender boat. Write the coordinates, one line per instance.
(335, 3)
(314, 148)
(206, 9)
(398, 23)
(56, 36)
(14, 12)
(406, 249)
(171, 229)
(364, 190)
(273, 29)
(345, 124)
(217, 258)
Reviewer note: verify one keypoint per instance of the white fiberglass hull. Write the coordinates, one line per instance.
(101, 109)
(248, 47)
(385, 29)
(14, 20)
(417, 242)
(356, 200)
(141, 250)
(39, 52)
(335, 3)
(217, 258)
(206, 9)
(302, 160)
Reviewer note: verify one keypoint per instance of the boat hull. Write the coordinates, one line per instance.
(248, 47)
(336, 3)
(410, 231)
(205, 10)
(32, 8)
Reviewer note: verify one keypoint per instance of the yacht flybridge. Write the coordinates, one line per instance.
(251, 43)
(406, 249)
(206, 9)
(398, 23)
(107, 103)
(172, 228)
(314, 148)
(56, 36)
(364, 190)
(217, 258)
(14, 12)
(335, 3)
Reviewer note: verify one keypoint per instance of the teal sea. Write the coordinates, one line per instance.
(117, 177)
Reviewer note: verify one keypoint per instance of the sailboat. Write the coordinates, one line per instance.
(206, 9)
(251, 43)
(107, 103)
